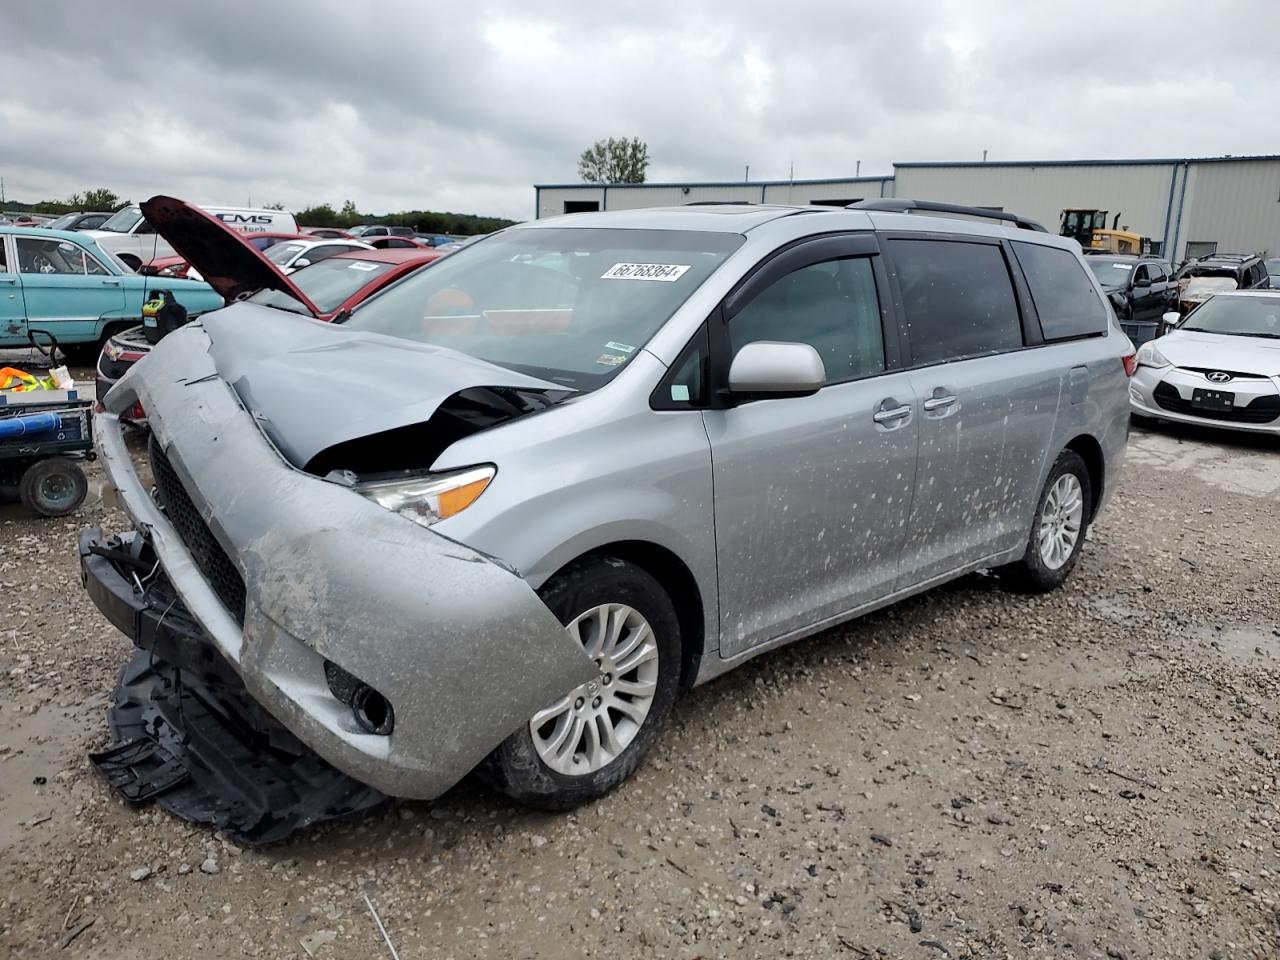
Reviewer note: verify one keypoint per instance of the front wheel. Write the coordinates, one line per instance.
(580, 747)
(1058, 532)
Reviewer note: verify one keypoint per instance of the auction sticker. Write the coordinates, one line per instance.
(666, 272)
(362, 266)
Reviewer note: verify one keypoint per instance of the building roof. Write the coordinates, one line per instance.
(714, 218)
(1141, 162)
(718, 183)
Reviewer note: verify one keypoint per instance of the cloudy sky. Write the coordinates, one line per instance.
(462, 106)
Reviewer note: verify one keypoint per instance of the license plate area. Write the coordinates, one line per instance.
(1213, 399)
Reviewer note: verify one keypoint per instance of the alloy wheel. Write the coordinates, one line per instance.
(592, 726)
(1061, 521)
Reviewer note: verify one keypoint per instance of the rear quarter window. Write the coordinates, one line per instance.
(1066, 301)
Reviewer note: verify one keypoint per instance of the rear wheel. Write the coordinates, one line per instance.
(588, 741)
(53, 487)
(1058, 532)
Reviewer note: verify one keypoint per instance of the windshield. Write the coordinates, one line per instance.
(122, 221)
(570, 305)
(282, 253)
(1237, 316)
(1110, 273)
(328, 284)
(63, 222)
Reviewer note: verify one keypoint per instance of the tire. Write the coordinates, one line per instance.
(53, 488)
(1034, 573)
(518, 768)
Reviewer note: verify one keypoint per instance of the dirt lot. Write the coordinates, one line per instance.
(972, 773)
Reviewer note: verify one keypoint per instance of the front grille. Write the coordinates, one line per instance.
(211, 560)
(1236, 374)
(1261, 410)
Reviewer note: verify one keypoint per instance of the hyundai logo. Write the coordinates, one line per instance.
(1218, 376)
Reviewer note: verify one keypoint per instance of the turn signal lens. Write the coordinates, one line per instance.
(458, 499)
(1130, 361)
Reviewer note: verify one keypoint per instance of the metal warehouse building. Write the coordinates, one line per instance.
(1190, 206)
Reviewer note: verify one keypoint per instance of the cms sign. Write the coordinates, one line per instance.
(244, 219)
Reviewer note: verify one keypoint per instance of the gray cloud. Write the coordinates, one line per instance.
(464, 106)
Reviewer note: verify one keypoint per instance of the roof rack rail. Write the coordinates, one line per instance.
(929, 206)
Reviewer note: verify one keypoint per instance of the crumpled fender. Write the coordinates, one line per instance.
(460, 645)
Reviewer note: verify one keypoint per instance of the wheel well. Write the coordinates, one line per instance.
(113, 327)
(1090, 451)
(679, 583)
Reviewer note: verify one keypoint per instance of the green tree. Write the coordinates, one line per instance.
(614, 161)
(348, 216)
(321, 216)
(273, 206)
(101, 199)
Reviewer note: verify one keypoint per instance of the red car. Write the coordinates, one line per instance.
(232, 265)
(177, 266)
(326, 233)
(396, 243)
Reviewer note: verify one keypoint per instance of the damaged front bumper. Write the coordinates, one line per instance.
(460, 646)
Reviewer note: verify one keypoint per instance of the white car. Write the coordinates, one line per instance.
(1218, 367)
(128, 235)
(295, 254)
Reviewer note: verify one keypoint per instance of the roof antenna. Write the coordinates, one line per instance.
(984, 156)
(857, 169)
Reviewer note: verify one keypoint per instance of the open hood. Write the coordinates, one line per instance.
(227, 262)
(331, 398)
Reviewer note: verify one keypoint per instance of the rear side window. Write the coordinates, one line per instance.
(1065, 299)
(957, 298)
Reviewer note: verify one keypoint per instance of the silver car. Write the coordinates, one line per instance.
(1219, 366)
(505, 512)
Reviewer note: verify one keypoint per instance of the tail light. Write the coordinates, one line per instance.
(1130, 361)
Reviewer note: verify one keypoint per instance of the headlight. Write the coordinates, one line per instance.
(1149, 355)
(429, 497)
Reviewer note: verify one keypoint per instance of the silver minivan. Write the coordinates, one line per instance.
(500, 515)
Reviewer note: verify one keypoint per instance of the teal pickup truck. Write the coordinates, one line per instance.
(62, 283)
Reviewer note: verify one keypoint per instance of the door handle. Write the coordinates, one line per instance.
(11, 281)
(892, 414)
(937, 403)
(111, 282)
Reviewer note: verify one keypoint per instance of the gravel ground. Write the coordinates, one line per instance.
(972, 773)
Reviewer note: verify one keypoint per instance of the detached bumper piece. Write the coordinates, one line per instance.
(186, 733)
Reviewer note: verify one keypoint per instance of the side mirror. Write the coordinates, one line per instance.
(778, 369)
(1168, 321)
(300, 263)
(1142, 282)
